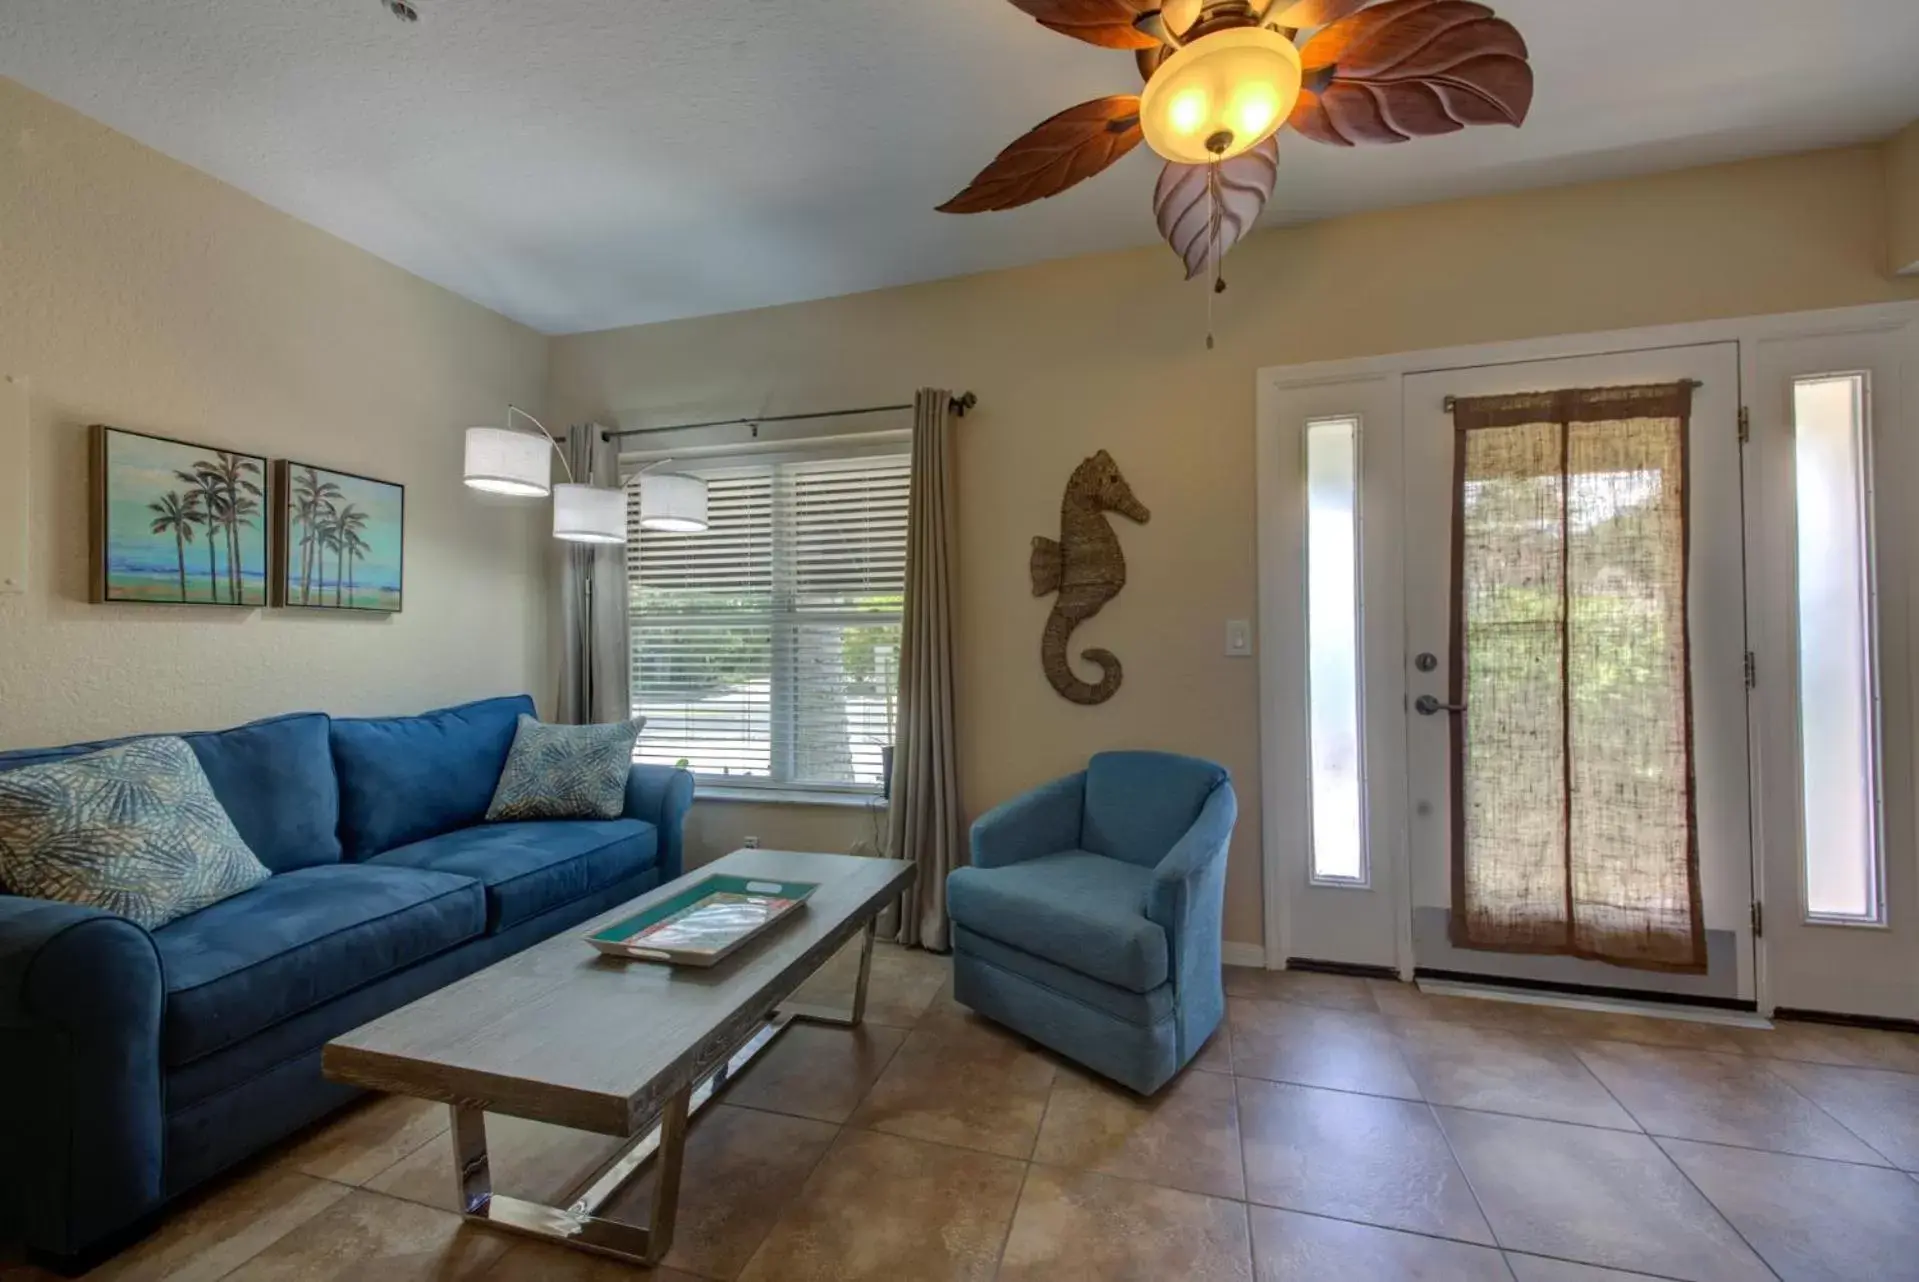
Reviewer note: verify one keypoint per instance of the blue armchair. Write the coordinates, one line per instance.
(1090, 918)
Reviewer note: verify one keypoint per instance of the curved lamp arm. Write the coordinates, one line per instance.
(512, 409)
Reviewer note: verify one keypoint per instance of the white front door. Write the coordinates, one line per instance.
(1579, 699)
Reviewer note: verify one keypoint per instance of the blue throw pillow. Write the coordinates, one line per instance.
(565, 772)
(134, 829)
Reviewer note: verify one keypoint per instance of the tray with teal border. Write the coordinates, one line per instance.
(612, 940)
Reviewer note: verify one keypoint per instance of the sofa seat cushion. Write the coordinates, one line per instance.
(1084, 911)
(299, 939)
(529, 868)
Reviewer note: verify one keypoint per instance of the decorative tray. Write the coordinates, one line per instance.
(704, 922)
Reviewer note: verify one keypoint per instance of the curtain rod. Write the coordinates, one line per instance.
(1451, 401)
(960, 404)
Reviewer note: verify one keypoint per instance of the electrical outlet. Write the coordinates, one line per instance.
(1239, 638)
(750, 843)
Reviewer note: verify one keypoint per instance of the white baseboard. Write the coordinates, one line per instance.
(1233, 954)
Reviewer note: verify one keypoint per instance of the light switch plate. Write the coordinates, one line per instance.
(1239, 638)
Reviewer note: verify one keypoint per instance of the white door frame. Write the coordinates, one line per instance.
(1376, 380)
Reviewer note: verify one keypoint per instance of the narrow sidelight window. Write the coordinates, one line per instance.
(1333, 650)
(1838, 674)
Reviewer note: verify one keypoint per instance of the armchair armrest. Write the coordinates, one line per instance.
(1189, 884)
(1041, 822)
(662, 795)
(81, 1001)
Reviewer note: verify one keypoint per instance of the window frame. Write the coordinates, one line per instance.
(1314, 878)
(782, 618)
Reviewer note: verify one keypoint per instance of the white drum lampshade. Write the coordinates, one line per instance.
(502, 461)
(589, 514)
(672, 504)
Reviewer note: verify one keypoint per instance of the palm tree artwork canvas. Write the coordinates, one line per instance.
(341, 540)
(175, 523)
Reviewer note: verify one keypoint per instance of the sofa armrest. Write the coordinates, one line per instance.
(662, 795)
(1041, 822)
(81, 1106)
(1189, 887)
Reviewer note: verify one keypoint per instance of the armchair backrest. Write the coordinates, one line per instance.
(1138, 804)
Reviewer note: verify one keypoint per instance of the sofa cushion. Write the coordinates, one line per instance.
(300, 939)
(565, 772)
(1138, 804)
(1081, 910)
(404, 779)
(274, 777)
(133, 830)
(529, 868)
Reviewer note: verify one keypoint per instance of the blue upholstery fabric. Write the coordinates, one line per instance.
(661, 795)
(1120, 1003)
(301, 939)
(528, 868)
(1140, 1057)
(201, 1093)
(1139, 803)
(1041, 822)
(1050, 943)
(404, 779)
(274, 777)
(135, 1065)
(81, 997)
(1078, 909)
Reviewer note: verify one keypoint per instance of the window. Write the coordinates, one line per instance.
(1332, 638)
(1838, 685)
(766, 649)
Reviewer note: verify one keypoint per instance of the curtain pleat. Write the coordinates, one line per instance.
(924, 820)
(593, 614)
(1573, 789)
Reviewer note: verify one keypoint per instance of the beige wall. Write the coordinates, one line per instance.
(1108, 352)
(139, 292)
(1902, 195)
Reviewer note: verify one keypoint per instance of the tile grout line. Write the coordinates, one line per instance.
(1691, 1183)
(1006, 1238)
(1478, 1204)
(1766, 1067)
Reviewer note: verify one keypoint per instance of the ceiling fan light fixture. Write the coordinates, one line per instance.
(1221, 95)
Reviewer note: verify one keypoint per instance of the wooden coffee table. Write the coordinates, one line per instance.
(561, 1034)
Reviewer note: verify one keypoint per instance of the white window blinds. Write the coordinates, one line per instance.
(766, 649)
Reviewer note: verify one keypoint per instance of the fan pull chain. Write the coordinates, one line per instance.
(1212, 246)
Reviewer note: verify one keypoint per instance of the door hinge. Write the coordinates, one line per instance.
(1752, 671)
(1758, 919)
(1745, 425)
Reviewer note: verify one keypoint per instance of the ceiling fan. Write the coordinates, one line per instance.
(1224, 76)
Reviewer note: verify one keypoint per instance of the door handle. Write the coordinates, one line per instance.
(1427, 706)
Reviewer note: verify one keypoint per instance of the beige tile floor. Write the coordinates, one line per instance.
(1336, 1130)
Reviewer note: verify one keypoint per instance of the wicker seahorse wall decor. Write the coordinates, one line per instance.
(1087, 569)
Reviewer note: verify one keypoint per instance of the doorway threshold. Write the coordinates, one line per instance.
(1602, 1005)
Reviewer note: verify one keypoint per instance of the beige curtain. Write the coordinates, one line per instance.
(924, 821)
(593, 619)
(1573, 800)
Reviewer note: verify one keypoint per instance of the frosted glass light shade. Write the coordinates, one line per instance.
(589, 514)
(501, 461)
(672, 504)
(1221, 95)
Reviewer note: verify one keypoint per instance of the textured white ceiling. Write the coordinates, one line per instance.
(581, 164)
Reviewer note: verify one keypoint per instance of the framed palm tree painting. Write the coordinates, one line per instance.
(176, 523)
(340, 540)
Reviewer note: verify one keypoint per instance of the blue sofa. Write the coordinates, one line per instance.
(136, 1065)
(1090, 917)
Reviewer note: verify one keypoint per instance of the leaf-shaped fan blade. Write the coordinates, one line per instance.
(1412, 69)
(1312, 13)
(1107, 23)
(1184, 206)
(1069, 148)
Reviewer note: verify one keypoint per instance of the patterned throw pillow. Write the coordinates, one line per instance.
(565, 772)
(134, 830)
